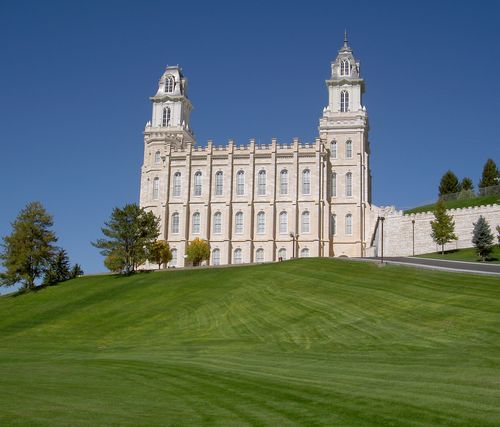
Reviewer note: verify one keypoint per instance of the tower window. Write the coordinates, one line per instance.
(348, 149)
(348, 184)
(305, 223)
(177, 184)
(197, 183)
(217, 223)
(165, 121)
(196, 223)
(240, 183)
(348, 224)
(219, 183)
(169, 84)
(306, 182)
(284, 182)
(344, 101)
(156, 188)
(261, 222)
(345, 67)
(262, 183)
(283, 223)
(157, 157)
(238, 223)
(175, 223)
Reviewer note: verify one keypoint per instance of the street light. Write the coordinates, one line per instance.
(382, 219)
(413, 235)
(295, 238)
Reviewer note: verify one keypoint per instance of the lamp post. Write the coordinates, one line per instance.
(294, 239)
(382, 219)
(413, 235)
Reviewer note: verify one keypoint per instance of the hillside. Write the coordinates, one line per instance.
(306, 342)
(457, 204)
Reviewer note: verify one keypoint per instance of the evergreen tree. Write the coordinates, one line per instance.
(76, 271)
(482, 238)
(467, 184)
(159, 253)
(443, 227)
(58, 270)
(128, 232)
(29, 249)
(197, 251)
(449, 184)
(490, 175)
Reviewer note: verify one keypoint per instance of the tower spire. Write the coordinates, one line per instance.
(345, 38)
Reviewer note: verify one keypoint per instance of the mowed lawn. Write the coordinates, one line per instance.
(306, 342)
(468, 254)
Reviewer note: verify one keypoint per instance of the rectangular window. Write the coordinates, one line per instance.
(218, 223)
(284, 182)
(334, 184)
(262, 183)
(261, 223)
(238, 226)
(283, 223)
(219, 183)
(348, 184)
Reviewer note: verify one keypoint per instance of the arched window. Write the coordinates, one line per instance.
(261, 222)
(173, 261)
(333, 225)
(305, 222)
(196, 223)
(219, 183)
(348, 149)
(217, 223)
(216, 257)
(345, 67)
(259, 255)
(282, 254)
(238, 256)
(177, 184)
(334, 184)
(284, 182)
(157, 157)
(283, 223)
(169, 84)
(304, 253)
(306, 181)
(175, 223)
(344, 101)
(333, 149)
(348, 184)
(261, 183)
(197, 183)
(238, 222)
(165, 121)
(348, 224)
(240, 183)
(156, 188)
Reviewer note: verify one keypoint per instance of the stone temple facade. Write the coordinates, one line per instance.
(260, 203)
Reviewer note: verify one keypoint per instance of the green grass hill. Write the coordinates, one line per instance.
(305, 342)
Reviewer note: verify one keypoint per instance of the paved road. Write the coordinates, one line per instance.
(470, 267)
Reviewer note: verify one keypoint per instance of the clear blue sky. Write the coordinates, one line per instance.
(76, 76)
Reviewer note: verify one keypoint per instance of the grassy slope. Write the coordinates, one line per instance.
(455, 204)
(307, 342)
(468, 254)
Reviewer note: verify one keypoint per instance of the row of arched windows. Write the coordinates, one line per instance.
(305, 225)
(334, 149)
(259, 255)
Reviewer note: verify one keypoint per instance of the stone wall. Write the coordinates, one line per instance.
(402, 237)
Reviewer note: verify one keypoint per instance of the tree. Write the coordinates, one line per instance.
(28, 250)
(490, 174)
(482, 238)
(76, 271)
(443, 227)
(58, 270)
(498, 231)
(197, 251)
(128, 232)
(159, 253)
(449, 184)
(467, 184)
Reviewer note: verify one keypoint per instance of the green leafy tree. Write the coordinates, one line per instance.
(467, 184)
(197, 251)
(498, 236)
(29, 249)
(129, 231)
(76, 271)
(59, 269)
(159, 252)
(449, 184)
(443, 227)
(490, 174)
(483, 238)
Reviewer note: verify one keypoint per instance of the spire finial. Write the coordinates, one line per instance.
(345, 37)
